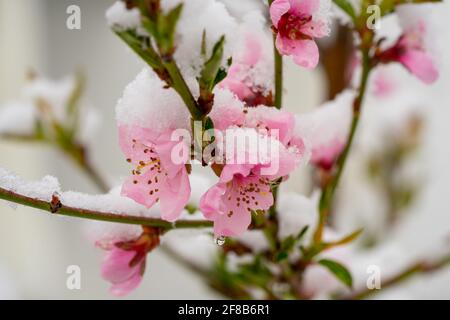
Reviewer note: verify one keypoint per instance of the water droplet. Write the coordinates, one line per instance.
(220, 241)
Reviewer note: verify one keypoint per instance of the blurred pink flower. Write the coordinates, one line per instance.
(238, 80)
(122, 271)
(156, 177)
(296, 28)
(124, 263)
(410, 51)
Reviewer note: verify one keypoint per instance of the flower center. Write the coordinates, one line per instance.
(290, 26)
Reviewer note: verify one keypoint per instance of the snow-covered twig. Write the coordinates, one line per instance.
(56, 207)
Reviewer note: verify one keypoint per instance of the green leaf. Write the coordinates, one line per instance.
(347, 239)
(212, 72)
(347, 7)
(166, 27)
(283, 255)
(203, 47)
(339, 271)
(302, 233)
(209, 124)
(142, 49)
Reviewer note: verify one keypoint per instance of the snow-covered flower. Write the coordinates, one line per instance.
(156, 176)
(245, 186)
(297, 23)
(250, 76)
(326, 129)
(147, 115)
(229, 111)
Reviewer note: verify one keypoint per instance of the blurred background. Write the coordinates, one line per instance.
(36, 249)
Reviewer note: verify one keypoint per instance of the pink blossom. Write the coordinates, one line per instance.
(296, 26)
(239, 80)
(229, 204)
(410, 51)
(325, 156)
(326, 129)
(156, 176)
(123, 271)
(124, 262)
(262, 118)
(246, 187)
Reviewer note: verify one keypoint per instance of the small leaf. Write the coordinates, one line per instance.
(302, 233)
(166, 27)
(347, 7)
(209, 124)
(212, 72)
(347, 239)
(339, 271)
(283, 255)
(147, 53)
(203, 48)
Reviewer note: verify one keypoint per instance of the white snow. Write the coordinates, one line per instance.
(146, 103)
(196, 246)
(17, 118)
(197, 16)
(296, 211)
(119, 16)
(41, 190)
(46, 100)
(328, 123)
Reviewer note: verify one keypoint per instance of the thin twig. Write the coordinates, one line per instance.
(422, 267)
(329, 190)
(64, 210)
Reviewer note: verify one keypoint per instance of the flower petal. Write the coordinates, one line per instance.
(278, 9)
(175, 195)
(115, 267)
(305, 7)
(306, 54)
(421, 65)
(126, 287)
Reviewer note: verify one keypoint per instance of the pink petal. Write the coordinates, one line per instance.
(278, 9)
(210, 201)
(315, 29)
(126, 287)
(227, 116)
(239, 88)
(421, 65)
(229, 204)
(144, 188)
(273, 119)
(132, 145)
(307, 7)
(306, 54)
(284, 45)
(253, 51)
(232, 226)
(230, 170)
(166, 148)
(175, 195)
(115, 267)
(325, 156)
